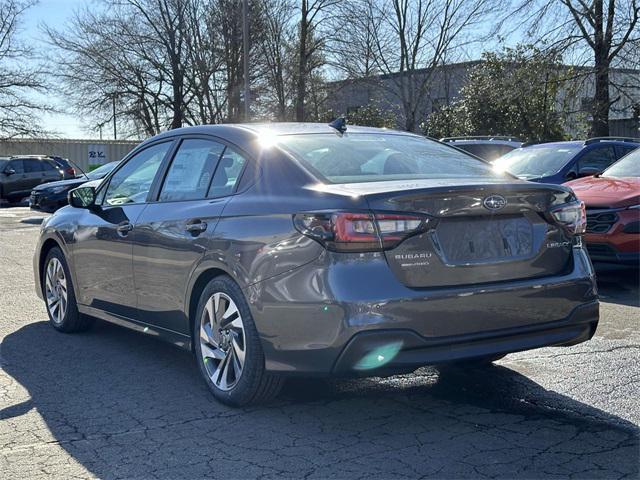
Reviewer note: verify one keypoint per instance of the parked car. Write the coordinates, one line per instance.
(70, 169)
(559, 162)
(281, 249)
(52, 196)
(19, 175)
(485, 147)
(613, 211)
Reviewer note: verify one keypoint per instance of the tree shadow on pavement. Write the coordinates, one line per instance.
(124, 405)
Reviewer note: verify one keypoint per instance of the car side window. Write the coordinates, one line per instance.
(598, 158)
(16, 165)
(621, 150)
(48, 167)
(191, 170)
(227, 174)
(132, 182)
(32, 166)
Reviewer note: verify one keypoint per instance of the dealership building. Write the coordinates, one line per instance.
(84, 153)
(575, 97)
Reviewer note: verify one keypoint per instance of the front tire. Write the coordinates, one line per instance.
(228, 348)
(59, 295)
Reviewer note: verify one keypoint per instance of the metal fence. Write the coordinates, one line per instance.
(82, 152)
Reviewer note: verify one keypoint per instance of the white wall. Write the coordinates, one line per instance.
(77, 151)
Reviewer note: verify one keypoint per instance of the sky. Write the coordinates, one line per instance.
(54, 13)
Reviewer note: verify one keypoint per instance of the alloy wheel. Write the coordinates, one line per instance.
(222, 341)
(56, 290)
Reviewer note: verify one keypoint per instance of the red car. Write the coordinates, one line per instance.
(612, 199)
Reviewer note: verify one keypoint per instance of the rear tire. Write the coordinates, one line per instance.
(59, 295)
(228, 348)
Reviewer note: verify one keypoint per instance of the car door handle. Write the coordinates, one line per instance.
(124, 228)
(196, 227)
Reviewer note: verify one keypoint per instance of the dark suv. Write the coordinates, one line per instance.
(18, 175)
(69, 169)
(559, 162)
(488, 148)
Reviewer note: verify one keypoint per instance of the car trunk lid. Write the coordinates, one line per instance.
(478, 233)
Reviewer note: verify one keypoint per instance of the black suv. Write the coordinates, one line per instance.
(18, 175)
(69, 168)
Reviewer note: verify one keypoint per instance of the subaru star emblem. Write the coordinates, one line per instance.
(495, 202)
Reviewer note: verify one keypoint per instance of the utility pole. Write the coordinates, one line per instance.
(245, 54)
(115, 133)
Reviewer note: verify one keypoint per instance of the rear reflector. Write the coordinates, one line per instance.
(359, 232)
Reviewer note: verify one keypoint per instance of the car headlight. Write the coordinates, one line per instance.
(58, 189)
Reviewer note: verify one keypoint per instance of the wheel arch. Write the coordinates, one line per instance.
(48, 241)
(193, 296)
(47, 246)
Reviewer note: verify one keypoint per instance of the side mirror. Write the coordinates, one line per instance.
(588, 172)
(82, 197)
(9, 171)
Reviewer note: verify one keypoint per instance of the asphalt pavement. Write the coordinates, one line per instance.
(111, 403)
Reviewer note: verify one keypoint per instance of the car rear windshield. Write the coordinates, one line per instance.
(628, 166)
(537, 161)
(355, 158)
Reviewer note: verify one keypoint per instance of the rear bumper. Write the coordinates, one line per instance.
(416, 351)
(319, 318)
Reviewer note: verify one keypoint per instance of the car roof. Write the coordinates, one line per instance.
(489, 142)
(275, 128)
(32, 157)
(244, 135)
(571, 143)
(484, 138)
(582, 143)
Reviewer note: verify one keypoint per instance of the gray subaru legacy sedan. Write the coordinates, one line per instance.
(313, 249)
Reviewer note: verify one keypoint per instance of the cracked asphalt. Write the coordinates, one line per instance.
(111, 403)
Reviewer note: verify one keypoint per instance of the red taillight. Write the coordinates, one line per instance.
(359, 232)
(572, 216)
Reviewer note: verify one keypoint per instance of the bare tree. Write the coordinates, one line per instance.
(352, 48)
(276, 47)
(18, 79)
(206, 75)
(312, 13)
(160, 32)
(98, 65)
(411, 38)
(131, 54)
(608, 29)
